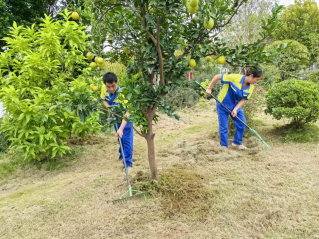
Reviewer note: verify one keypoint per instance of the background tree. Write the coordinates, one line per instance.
(245, 27)
(300, 22)
(294, 57)
(146, 34)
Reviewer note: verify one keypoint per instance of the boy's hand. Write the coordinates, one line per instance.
(119, 133)
(209, 91)
(234, 113)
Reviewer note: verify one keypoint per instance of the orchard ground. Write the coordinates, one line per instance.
(249, 194)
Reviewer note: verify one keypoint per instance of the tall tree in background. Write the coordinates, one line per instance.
(246, 26)
(300, 22)
(24, 12)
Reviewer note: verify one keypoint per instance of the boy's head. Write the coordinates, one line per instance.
(110, 81)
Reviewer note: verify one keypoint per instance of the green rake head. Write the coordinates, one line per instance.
(264, 142)
(132, 194)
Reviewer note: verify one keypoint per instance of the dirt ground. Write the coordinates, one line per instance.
(259, 193)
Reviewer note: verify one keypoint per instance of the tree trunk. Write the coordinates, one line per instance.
(150, 142)
(151, 156)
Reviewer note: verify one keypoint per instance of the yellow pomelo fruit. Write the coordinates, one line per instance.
(210, 24)
(193, 3)
(93, 65)
(100, 61)
(191, 10)
(75, 16)
(192, 63)
(221, 60)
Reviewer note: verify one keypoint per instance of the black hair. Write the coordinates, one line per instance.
(257, 73)
(109, 77)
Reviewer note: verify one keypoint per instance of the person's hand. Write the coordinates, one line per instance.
(209, 91)
(119, 133)
(234, 113)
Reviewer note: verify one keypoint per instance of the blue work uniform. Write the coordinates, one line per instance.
(232, 92)
(127, 138)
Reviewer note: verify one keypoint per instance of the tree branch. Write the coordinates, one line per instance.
(110, 111)
(142, 21)
(235, 12)
(159, 52)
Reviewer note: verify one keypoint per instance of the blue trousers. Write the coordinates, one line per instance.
(127, 142)
(223, 116)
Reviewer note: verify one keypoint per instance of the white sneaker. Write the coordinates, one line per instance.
(237, 146)
(128, 168)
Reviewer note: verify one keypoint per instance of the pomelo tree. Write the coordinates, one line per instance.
(145, 34)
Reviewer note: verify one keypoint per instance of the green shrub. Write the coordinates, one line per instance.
(314, 76)
(45, 87)
(294, 99)
(182, 97)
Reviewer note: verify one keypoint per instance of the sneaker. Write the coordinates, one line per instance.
(237, 146)
(120, 159)
(128, 168)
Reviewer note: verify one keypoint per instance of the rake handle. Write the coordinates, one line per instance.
(124, 161)
(223, 105)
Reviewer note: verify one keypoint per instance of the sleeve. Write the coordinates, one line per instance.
(248, 93)
(225, 79)
(104, 94)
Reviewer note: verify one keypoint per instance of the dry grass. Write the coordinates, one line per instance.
(231, 194)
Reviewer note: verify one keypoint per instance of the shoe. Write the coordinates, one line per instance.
(128, 168)
(237, 146)
(120, 159)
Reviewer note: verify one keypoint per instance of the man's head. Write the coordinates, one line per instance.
(110, 81)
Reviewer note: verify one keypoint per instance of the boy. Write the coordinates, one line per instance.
(109, 96)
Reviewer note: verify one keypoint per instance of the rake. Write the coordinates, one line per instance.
(251, 129)
(130, 193)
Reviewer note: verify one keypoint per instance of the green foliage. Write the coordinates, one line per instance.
(182, 97)
(300, 22)
(295, 56)
(271, 75)
(294, 99)
(314, 76)
(177, 33)
(38, 89)
(4, 143)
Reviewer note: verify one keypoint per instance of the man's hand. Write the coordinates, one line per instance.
(234, 113)
(119, 133)
(209, 91)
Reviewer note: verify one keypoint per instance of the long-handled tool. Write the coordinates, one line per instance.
(252, 130)
(130, 192)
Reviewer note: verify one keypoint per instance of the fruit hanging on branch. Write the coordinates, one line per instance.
(75, 16)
